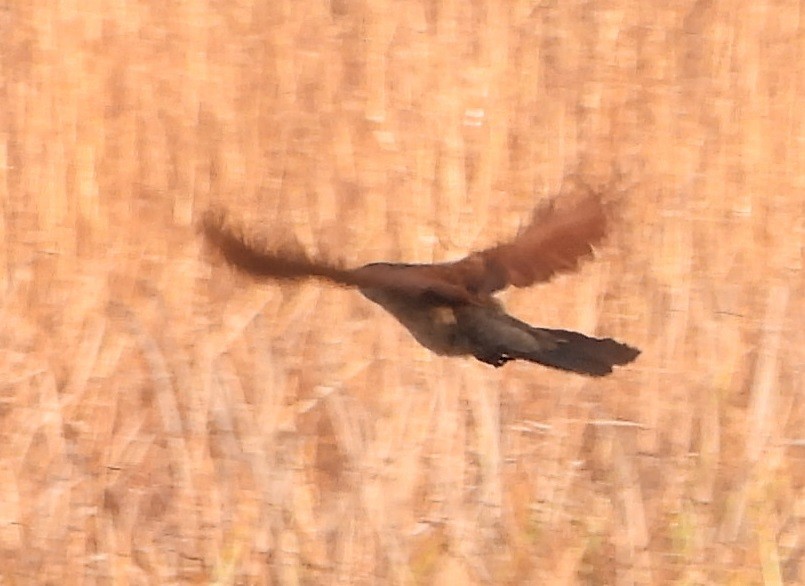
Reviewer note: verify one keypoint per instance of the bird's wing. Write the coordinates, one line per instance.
(414, 281)
(556, 240)
(258, 261)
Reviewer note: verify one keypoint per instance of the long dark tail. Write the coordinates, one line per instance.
(582, 354)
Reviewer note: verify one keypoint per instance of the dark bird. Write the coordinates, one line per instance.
(449, 307)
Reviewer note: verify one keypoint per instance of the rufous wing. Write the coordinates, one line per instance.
(557, 240)
(257, 260)
(425, 282)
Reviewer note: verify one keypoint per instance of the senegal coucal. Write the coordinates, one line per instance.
(449, 307)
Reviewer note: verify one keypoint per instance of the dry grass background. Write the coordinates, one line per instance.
(164, 421)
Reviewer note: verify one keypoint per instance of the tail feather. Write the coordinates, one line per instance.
(496, 338)
(582, 354)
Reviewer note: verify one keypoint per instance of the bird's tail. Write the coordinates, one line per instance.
(582, 354)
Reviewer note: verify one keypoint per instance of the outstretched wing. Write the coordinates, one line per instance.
(257, 261)
(557, 240)
(413, 281)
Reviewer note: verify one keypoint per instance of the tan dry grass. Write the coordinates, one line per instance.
(163, 421)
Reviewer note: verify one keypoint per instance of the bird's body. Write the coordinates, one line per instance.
(449, 308)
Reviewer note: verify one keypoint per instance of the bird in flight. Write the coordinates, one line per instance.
(450, 307)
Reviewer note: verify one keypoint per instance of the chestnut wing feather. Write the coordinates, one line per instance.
(425, 282)
(256, 260)
(555, 241)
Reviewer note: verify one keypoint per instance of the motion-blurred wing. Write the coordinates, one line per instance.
(422, 282)
(254, 260)
(556, 241)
